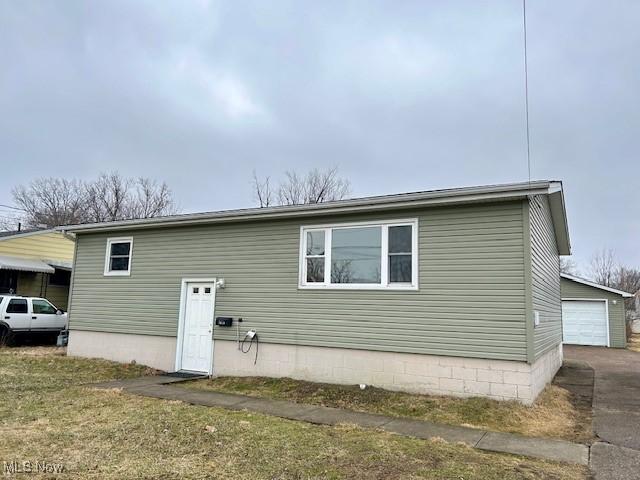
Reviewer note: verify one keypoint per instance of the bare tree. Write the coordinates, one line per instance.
(627, 279)
(605, 270)
(568, 266)
(11, 218)
(57, 201)
(341, 271)
(603, 267)
(107, 198)
(315, 270)
(326, 186)
(292, 190)
(52, 201)
(113, 197)
(151, 199)
(316, 186)
(263, 192)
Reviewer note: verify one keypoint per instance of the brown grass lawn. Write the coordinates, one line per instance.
(634, 343)
(48, 414)
(553, 415)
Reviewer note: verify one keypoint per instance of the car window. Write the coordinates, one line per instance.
(43, 307)
(17, 305)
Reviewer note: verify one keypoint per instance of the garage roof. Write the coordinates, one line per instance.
(595, 285)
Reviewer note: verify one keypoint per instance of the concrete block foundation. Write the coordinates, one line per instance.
(430, 374)
(153, 351)
(416, 373)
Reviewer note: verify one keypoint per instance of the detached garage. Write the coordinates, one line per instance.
(592, 314)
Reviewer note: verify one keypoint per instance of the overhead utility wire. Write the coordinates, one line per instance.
(526, 87)
(12, 208)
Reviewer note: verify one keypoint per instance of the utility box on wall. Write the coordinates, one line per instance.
(224, 321)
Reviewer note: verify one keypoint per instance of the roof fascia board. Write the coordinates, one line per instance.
(28, 234)
(560, 226)
(373, 204)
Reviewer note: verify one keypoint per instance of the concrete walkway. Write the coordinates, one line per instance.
(160, 387)
(616, 410)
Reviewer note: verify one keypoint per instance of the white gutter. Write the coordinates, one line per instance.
(368, 204)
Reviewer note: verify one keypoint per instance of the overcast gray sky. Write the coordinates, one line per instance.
(402, 96)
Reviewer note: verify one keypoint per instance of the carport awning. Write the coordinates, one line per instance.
(60, 265)
(24, 264)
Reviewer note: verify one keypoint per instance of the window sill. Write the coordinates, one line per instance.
(117, 274)
(359, 287)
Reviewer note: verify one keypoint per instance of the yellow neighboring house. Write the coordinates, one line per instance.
(37, 263)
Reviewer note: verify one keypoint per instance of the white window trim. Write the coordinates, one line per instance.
(384, 270)
(107, 257)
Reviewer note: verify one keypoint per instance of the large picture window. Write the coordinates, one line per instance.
(360, 255)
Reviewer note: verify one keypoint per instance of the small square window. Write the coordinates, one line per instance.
(207, 289)
(196, 289)
(118, 259)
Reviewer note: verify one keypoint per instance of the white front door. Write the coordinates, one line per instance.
(584, 322)
(198, 327)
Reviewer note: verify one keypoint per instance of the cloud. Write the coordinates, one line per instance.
(402, 95)
(213, 92)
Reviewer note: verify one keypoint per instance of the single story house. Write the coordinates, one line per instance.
(37, 263)
(448, 292)
(592, 314)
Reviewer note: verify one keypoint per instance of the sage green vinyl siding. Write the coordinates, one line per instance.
(470, 300)
(617, 326)
(545, 278)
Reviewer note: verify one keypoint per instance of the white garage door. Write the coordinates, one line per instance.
(584, 322)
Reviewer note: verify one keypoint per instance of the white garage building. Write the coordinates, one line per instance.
(592, 314)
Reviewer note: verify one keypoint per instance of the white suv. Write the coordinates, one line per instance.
(28, 314)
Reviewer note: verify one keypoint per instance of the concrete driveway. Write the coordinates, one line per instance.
(616, 409)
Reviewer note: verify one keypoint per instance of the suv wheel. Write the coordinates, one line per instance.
(6, 336)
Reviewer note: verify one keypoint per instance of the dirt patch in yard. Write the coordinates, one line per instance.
(46, 414)
(555, 414)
